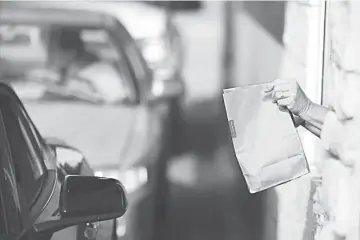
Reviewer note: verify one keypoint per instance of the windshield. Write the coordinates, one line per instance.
(59, 63)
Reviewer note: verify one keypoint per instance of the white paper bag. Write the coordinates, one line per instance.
(266, 143)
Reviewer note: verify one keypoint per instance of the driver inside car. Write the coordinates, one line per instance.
(70, 65)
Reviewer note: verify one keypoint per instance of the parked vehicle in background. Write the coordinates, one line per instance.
(160, 43)
(125, 139)
(159, 40)
(47, 189)
(162, 46)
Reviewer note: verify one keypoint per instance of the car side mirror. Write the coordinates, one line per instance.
(87, 199)
(92, 197)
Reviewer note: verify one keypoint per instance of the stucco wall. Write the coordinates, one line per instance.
(342, 55)
(342, 66)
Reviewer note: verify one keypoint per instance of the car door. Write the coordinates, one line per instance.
(115, 54)
(29, 164)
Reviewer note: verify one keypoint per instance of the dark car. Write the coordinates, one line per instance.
(126, 139)
(47, 189)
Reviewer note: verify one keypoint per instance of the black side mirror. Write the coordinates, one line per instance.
(87, 199)
(92, 197)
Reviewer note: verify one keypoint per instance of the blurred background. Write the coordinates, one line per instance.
(208, 195)
(194, 49)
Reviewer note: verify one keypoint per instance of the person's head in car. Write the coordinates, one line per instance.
(64, 46)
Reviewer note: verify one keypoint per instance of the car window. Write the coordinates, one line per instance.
(26, 155)
(102, 69)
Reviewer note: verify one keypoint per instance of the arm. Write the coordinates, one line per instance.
(288, 94)
(312, 129)
(300, 122)
(313, 118)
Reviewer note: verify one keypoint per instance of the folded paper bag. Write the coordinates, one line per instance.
(265, 140)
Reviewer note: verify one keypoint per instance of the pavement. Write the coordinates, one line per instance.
(208, 195)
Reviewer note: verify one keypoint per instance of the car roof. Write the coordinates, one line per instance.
(56, 12)
(141, 20)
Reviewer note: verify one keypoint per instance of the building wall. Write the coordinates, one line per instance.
(342, 49)
(342, 67)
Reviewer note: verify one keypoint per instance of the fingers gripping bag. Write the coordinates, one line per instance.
(265, 140)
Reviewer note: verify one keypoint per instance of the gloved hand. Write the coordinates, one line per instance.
(288, 94)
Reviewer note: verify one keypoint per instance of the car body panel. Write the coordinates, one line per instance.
(101, 133)
(108, 136)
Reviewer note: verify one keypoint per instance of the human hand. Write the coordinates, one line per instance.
(288, 95)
